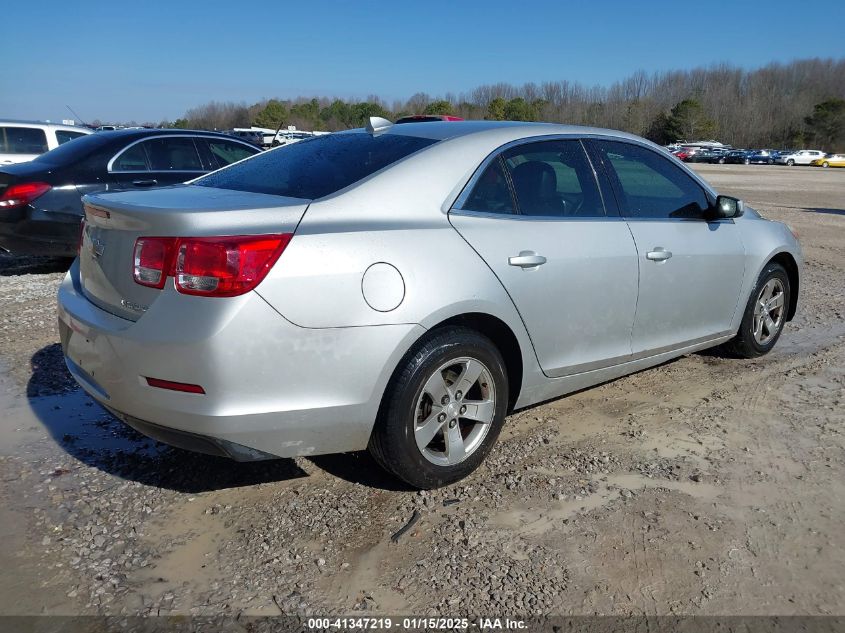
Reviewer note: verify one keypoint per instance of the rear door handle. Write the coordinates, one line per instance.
(659, 254)
(145, 183)
(527, 259)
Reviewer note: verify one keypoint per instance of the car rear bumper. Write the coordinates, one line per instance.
(271, 388)
(20, 234)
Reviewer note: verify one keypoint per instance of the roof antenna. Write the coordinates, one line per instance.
(376, 124)
(79, 118)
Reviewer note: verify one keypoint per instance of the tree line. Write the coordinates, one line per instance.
(780, 105)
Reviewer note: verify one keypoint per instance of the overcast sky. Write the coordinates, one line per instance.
(152, 60)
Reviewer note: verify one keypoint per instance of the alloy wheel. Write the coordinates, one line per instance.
(768, 311)
(454, 411)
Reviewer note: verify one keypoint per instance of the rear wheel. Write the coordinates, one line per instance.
(790, 162)
(443, 410)
(721, 161)
(765, 314)
(825, 164)
(747, 161)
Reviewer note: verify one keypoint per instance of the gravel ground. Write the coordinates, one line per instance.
(704, 486)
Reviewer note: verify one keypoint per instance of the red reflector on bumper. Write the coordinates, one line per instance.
(174, 386)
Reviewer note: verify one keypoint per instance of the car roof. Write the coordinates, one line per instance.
(61, 126)
(443, 130)
(142, 132)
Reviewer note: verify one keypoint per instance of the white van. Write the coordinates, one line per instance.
(21, 141)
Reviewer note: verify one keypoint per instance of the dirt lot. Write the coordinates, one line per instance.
(704, 486)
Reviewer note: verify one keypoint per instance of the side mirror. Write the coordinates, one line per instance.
(727, 207)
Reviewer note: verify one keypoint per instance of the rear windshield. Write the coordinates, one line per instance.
(72, 152)
(316, 167)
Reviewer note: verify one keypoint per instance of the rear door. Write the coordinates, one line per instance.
(156, 162)
(690, 269)
(535, 214)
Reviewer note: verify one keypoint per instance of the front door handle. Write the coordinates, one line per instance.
(527, 259)
(659, 254)
(145, 183)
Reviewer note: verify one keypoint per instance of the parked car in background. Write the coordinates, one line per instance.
(801, 157)
(286, 137)
(256, 137)
(761, 157)
(21, 141)
(738, 156)
(712, 156)
(830, 160)
(40, 207)
(309, 332)
(426, 118)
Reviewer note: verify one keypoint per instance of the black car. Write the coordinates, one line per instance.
(762, 157)
(40, 201)
(741, 156)
(713, 156)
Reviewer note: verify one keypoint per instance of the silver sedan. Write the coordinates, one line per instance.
(405, 288)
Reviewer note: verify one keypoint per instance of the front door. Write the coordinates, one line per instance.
(536, 216)
(690, 270)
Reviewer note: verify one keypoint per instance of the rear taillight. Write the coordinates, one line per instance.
(207, 266)
(153, 260)
(22, 194)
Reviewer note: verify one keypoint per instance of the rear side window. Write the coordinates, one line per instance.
(554, 178)
(316, 167)
(63, 136)
(651, 186)
(491, 193)
(133, 159)
(22, 140)
(173, 154)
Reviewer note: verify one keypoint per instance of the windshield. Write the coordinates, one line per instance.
(315, 167)
(74, 150)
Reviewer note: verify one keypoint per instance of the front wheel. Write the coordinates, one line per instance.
(825, 164)
(747, 162)
(790, 163)
(765, 314)
(721, 161)
(443, 409)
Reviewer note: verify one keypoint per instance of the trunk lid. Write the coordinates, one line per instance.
(114, 221)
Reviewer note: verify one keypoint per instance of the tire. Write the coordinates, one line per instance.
(423, 375)
(790, 163)
(747, 344)
(825, 164)
(747, 162)
(721, 161)
(770, 162)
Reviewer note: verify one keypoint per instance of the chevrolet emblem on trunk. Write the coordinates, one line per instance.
(97, 247)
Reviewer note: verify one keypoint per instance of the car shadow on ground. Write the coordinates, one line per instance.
(828, 211)
(11, 265)
(360, 468)
(90, 434)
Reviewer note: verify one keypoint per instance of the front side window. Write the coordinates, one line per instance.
(316, 167)
(227, 152)
(63, 136)
(650, 185)
(23, 140)
(554, 178)
(172, 154)
(491, 193)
